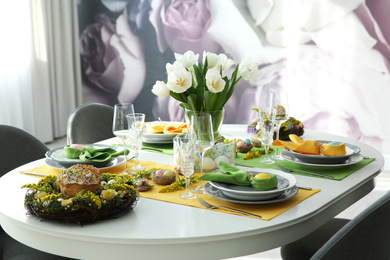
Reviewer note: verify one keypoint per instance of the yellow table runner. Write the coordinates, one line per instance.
(267, 211)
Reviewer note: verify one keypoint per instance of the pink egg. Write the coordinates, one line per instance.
(241, 144)
(159, 172)
(76, 146)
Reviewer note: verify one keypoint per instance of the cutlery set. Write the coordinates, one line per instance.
(209, 206)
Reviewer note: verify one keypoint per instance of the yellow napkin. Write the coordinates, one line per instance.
(166, 128)
(298, 145)
(43, 169)
(333, 150)
(155, 127)
(47, 170)
(175, 129)
(267, 211)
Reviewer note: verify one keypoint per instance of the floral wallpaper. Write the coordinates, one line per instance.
(332, 56)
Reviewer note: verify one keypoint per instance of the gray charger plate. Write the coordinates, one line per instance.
(285, 181)
(288, 156)
(216, 193)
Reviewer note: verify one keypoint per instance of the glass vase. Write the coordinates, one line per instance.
(225, 145)
(217, 118)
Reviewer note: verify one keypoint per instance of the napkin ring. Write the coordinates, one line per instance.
(249, 175)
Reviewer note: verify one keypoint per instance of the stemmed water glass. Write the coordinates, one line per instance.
(266, 125)
(120, 126)
(279, 101)
(136, 129)
(202, 132)
(186, 150)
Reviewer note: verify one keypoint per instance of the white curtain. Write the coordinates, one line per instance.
(40, 82)
(15, 65)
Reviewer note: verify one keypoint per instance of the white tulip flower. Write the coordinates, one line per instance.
(179, 80)
(212, 59)
(223, 63)
(188, 59)
(214, 82)
(175, 66)
(160, 89)
(209, 79)
(249, 70)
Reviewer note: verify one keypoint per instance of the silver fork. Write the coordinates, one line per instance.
(209, 206)
(312, 173)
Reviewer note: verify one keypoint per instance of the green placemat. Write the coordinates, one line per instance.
(159, 148)
(337, 173)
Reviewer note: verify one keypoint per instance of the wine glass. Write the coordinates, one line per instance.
(136, 128)
(120, 126)
(186, 150)
(266, 125)
(279, 101)
(202, 132)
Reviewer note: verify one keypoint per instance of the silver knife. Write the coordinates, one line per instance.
(35, 174)
(304, 187)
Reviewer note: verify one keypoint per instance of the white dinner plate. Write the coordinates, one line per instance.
(160, 138)
(248, 193)
(289, 156)
(112, 163)
(216, 193)
(158, 142)
(350, 149)
(57, 155)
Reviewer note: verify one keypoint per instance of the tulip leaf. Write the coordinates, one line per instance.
(192, 102)
(208, 101)
(177, 96)
(196, 76)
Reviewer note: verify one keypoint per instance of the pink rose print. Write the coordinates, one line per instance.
(98, 57)
(182, 25)
(112, 59)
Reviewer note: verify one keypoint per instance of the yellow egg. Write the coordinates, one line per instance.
(169, 173)
(262, 176)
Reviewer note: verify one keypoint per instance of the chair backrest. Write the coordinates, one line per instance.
(18, 147)
(367, 236)
(90, 123)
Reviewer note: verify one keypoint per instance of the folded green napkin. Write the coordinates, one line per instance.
(266, 183)
(92, 154)
(230, 174)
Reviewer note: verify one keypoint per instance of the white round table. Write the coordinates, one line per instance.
(160, 230)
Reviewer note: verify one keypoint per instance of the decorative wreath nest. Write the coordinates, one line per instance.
(116, 197)
(291, 126)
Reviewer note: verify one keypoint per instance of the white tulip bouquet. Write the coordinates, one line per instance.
(203, 87)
